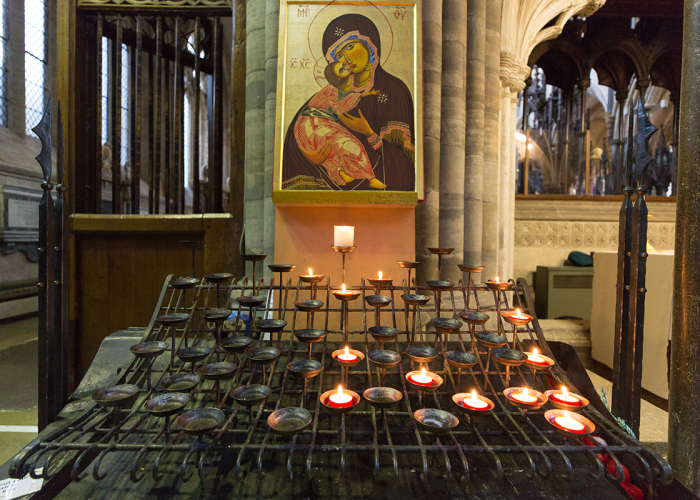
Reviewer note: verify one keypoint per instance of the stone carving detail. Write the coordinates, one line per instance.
(566, 234)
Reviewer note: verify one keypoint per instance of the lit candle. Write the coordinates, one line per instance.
(535, 358)
(497, 280)
(474, 403)
(524, 397)
(340, 400)
(519, 315)
(565, 397)
(343, 236)
(569, 424)
(380, 275)
(311, 273)
(347, 356)
(422, 379)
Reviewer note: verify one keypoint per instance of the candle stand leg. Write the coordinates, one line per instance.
(218, 393)
(420, 399)
(149, 362)
(345, 378)
(218, 291)
(515, 335)
(250, 323)
(343, 254)
(166, 429)
(409, 280)
(172, 351)
(459, 378)
(507, 377)
(439, 267)
(193, 275)
(263, 373)
(306, 387)
(310, 345)
(472, 419)
(279, 312)
(534, 377)
(345, 321)
(254, 275)
(218, 341)
(486, 368)
(376, 316)
(413, 326)
(471, 334)
(469, 289)
(250, 416)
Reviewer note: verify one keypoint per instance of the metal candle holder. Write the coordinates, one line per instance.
(460, 360)
(251, 302)
(281, 268)
(343, 251)
(193, 354)
(469, 269)
(184, 284)
(326, 396)
(254, 258)
(440, 252)
(535, 367)
(222, 370)
(489, 341)
(166, 405)
(305, 369)
(218, 317)
(289, 421)
(217, 279)
(415, 301)
(384, 360)
(515, 321)
(249, 396)
(149, 351)
(438, 422)
(409, 264)
(345, 297)
(539, 402)
(271, 326)
(172, 321)
(345, 365)
(583, 402)
(588, 426)
(498, 287)
(263, 356)
(508, 358)
(474, 318)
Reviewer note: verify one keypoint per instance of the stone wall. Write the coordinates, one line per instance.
(546, 231)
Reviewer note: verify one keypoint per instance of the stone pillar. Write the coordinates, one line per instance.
(489, 244)
(254, 130)
(271, 25)
(684, 397)
(507, 125)
(510, 191)
(428, 212)
(474, 132)
(454, 48)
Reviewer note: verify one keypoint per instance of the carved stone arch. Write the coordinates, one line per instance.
(665, 72)
(562, 61)
(617, 60)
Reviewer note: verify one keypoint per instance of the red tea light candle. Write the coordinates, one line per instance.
(520, 315)
(343, 291)
(535, 358)
(569, 424)
(340, 400)
(347, 356)
(475, 403)
(524, 397)
(565, 398)
(422, 379)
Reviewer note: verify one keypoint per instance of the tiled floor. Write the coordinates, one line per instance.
(18, 385)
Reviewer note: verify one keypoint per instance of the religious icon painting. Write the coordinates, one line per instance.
(349, 117)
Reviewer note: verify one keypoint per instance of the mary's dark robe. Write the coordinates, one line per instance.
(389, 114)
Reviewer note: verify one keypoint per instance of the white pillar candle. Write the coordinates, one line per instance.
(344, 236)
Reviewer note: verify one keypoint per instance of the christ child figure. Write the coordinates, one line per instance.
(319, 125)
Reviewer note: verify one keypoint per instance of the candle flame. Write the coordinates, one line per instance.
(518, 313)
(567, 416)
(340, 390)
(474, 399)
(423, 372)
(497, 280)
(535, 353)
(344, 292)
(347, 351)
(524, 391)
(310, 272)
(564, 393)
(380, 275)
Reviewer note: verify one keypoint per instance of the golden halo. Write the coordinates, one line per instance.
(325, 16)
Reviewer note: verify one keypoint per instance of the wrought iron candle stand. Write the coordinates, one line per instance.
(414, 301)
(218, 279)
(254, 258)
(311, 438)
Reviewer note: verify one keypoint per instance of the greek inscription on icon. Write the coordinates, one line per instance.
(400, 13)
(303, 11)
(300, 63)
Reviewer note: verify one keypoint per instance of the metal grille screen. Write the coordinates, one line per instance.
(34, 61)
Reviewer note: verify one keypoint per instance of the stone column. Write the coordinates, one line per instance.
(428, 212)
(489, 244)
(254, 130)
(506, 126)
(454, 48)
(474, 131)
(510, 190)
(271, 25)
(684, 398)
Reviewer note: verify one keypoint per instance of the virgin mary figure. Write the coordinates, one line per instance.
(382, 122)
